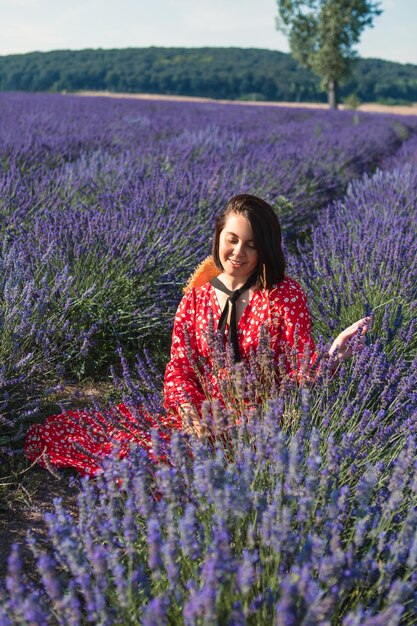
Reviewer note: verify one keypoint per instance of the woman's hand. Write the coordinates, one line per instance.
(342, 348)
(191, 422)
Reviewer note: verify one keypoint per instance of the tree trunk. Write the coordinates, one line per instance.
(332, 94)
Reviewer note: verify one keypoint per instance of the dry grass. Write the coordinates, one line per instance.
(370, 107)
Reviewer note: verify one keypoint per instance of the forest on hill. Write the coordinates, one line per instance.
(231, 73)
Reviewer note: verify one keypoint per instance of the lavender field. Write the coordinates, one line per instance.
(304, 512)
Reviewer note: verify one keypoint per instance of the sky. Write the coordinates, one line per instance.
(42, 25)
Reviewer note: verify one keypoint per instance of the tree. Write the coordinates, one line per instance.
(322, 34)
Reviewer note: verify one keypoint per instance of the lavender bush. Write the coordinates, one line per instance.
(37, 337)
(363, 258)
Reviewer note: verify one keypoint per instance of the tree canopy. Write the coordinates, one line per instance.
(230, 73)
(322, 35)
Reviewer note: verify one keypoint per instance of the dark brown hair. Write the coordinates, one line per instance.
(266, 234)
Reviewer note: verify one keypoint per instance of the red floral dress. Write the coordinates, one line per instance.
(79, 440)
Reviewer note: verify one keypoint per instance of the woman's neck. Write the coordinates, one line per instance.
(233, 282)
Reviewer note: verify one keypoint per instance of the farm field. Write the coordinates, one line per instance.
(306, 512)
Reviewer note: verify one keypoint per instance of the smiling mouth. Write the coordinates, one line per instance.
(236, 263)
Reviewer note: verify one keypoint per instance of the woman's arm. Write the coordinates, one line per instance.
(191, 420)
(182, 389)
(342, 348)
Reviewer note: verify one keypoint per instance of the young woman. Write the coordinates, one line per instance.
(240, 291)
(250, 291)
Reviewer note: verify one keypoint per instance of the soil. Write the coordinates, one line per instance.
(370, 107)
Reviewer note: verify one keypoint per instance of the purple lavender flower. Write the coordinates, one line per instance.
(155, 613)
(154, 545)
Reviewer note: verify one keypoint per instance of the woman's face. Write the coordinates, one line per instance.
(237, 252)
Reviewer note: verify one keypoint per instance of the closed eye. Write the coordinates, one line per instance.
(250, 244)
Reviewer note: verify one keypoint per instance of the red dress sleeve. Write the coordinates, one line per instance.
(181, 382)
(291, 324)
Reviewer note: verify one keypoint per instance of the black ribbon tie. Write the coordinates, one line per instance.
(233, 298)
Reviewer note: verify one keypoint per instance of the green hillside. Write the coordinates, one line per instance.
(232, 73)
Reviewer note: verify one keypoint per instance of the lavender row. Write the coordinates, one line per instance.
(66, 146)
